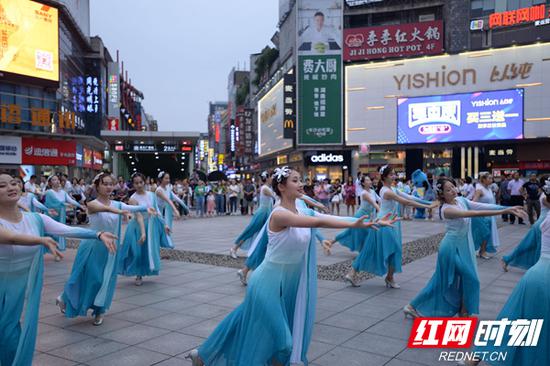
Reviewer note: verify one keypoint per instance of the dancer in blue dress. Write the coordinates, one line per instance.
(454, 287)
(274, 323)
(21, 270)
(92, 282)
(58, 200)
(267, 198)
(382, 252)
(166, 198)
(29, 203)
(258, 248)
(484, 229)
(529, 300)
(527, 252)
(145, 234)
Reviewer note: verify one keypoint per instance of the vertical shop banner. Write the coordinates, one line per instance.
(79, 155)
(248, 131)
(113, 105)
(319, 45)
(88, 158)
(289, 122)
(97, 163)
(10, 150)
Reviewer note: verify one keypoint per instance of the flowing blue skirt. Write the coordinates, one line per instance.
(529, 300)
(482, 231)
(142, 259)
(260, 329)
(353, 239)
(87, 279)
(256, 224)
(257, 257)
(527, 253)
(455, 280)
(381, 249)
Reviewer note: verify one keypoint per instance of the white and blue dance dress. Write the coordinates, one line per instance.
(21, 272)
(527, 252)
(455, 279)
(258, 220)
(484, 229)
(258, 248)
(384, 247)
(58, 200)
(530, 300)
(31, 203)
(92, 282)
(165, 208)
(275, 320)
(352, 238)
(143, 259)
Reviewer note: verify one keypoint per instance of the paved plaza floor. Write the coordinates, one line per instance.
(157, 323)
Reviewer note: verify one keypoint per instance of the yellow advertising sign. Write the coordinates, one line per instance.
(29, 40)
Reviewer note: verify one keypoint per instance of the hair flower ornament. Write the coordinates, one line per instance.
(546, 187)
(281, 173)
(383, 169)
(264, 174)
(160, 174)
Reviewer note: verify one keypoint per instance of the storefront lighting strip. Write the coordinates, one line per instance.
(356, 89)
(476, 55)
(375, 107)
(391, 96)
(528, 84)
(357, 129)
(537, 119)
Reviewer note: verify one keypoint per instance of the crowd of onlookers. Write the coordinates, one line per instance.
(234, 196)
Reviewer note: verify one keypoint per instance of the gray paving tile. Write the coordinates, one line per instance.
(135, 334)
(332, 335)
(350, 357)
(131, 356)
(173, 321)
(425, 356)
(53, 340)
(44, 359)
(175, 305)
(391, 329)
(203, 328)
(206, 311)
(88, 349)
(172, 343)
(109, 324)
(378, 344)
(140, 314)
(353, 322)
(317, 349)
(143, 299)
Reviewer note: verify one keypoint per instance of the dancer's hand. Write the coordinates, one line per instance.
(327, 245)
(388, 220)
(177, 214)
(142, 239)
(108, 240)
(435, 204)
(325, 209)
(518, 211)
(167, 230)
(362, 223)
(151, 211)
(52, 246)
(52, 212)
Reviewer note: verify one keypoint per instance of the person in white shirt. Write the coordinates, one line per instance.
(30, 186)
(468, 189)
(319, 38)
(233, 193)
(358, 187)
(516, 197)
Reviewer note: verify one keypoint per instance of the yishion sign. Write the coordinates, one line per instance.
(328, 158)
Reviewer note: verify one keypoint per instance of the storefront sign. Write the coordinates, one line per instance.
(494, 115)
(373, 89)
(232, 136)
(328, 158)
(48, 152)
(88, 158)
(282, 159)
(289, 123)
(501, 153)
(10, 150)
(400, 40)
(271, 121)
(295, 157)
(79, 156)
(92, 94)
(476, 24)
(169, 148)
(517, 17)
(98, 160)
(113, 124)
(319, 45)
(113, 106)
(248, 135)
(186, 148)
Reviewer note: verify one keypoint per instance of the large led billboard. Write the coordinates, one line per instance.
(29, 41)
(478, 116)
(271, 121)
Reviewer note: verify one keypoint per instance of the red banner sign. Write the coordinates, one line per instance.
(88, 158)
(48, 152)
(400, 40)
(98, 160)
(519, 16)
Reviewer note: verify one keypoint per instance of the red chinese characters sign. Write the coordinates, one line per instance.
(48, 152)
(401, 40)
(98, 160)
(88, 158)
(516, 17)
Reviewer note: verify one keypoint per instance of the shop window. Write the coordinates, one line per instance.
(488, 7)
(476, 8)
(513, 4)
(525, 3)
(486, 37)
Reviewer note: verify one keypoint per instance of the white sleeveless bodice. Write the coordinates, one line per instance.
(289, 245)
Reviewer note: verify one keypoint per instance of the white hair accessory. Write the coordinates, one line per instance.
(264, 174)
(161, 174)
(546, 187)
(383, 168)
(281, 173)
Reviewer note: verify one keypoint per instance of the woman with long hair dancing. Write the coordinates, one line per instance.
(274, 323)
(29, 203)
(454, 287)
(140, 252)
(92, 282)
(22, 246)
(381, 254)
(267, 198)
(484, 228)
(527, 252)
(166, 201)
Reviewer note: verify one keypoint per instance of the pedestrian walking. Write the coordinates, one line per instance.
(515, 187)
(532, 193)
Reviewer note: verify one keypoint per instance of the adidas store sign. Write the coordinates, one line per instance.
(328, 158)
